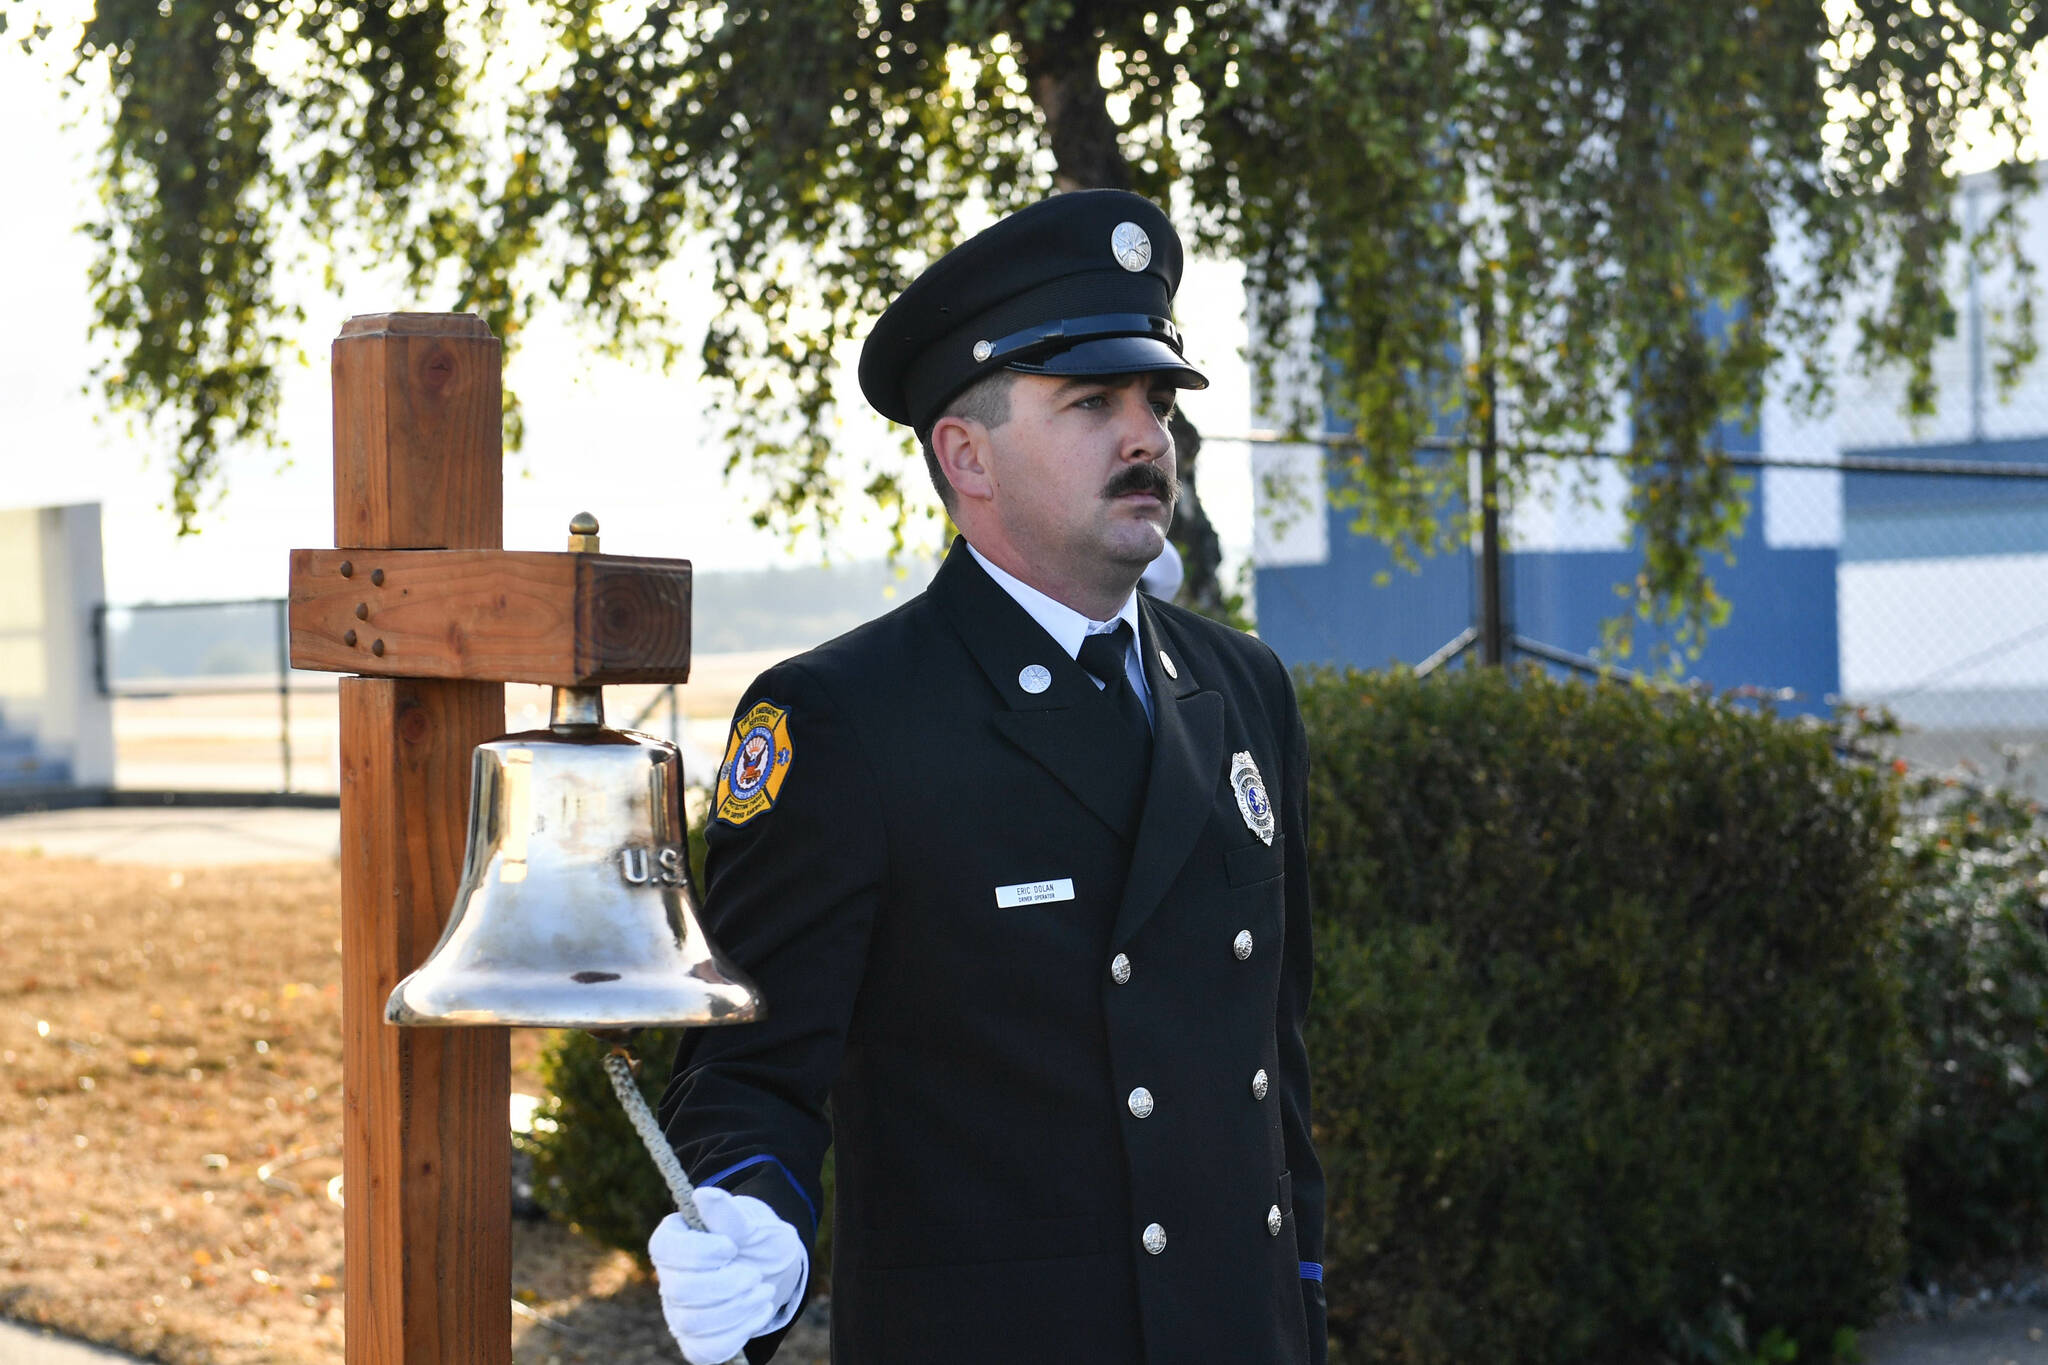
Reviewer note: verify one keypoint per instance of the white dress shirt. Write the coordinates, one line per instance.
(1069, 628)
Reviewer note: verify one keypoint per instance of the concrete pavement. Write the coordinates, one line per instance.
(2009, 1336)
(178, 836)
(23, 1344)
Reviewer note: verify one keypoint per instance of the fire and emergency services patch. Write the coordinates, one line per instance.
(755, 763)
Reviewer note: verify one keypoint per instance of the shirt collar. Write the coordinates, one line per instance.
(1066, 626)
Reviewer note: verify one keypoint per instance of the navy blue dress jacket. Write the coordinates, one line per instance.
(1073, 1128)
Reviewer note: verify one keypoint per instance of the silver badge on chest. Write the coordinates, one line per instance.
(1252, 801)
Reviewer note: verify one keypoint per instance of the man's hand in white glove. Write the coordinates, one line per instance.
(740, 1278)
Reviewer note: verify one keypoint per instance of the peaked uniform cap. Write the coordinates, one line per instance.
(1081, 283)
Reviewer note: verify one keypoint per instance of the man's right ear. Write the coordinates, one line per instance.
(961, 446)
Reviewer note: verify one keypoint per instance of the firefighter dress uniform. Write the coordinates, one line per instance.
(1048, 968)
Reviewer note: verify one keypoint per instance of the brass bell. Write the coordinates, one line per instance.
(575, 908)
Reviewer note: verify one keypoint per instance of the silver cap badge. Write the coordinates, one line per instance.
(1131, 247)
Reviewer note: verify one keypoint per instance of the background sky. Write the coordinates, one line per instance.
(618, 439)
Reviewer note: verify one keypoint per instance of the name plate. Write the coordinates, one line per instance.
(1035, 893)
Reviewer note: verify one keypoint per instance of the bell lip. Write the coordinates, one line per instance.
(588, 736)
(480, 1010)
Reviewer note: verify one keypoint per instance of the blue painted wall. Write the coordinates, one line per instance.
(1912, 516)
(1781, 633)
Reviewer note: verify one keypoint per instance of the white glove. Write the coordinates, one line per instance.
(740, 1278)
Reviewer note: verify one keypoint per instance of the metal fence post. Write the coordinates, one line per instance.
(284, 692)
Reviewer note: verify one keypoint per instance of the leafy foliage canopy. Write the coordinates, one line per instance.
(1557, 200)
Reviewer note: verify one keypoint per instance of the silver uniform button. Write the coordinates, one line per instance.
(1273, 1220)
(1242, 944)
(1155, 1238)
(1120, 969)
(1259, 1084)
(1141, 1103)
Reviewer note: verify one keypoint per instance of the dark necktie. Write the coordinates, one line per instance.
(1103, 655)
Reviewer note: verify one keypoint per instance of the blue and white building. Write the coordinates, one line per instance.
(1927, 594)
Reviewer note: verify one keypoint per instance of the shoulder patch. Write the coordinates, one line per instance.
(756, 760)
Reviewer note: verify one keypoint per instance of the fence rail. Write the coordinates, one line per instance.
(1910, 580)
(184, 676)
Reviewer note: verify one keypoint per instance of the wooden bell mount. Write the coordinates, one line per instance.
(567, 618)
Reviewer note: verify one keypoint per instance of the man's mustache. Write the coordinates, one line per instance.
(1143, 478)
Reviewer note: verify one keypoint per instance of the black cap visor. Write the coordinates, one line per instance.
(1117, 355)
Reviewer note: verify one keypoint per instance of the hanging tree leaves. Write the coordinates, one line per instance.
(1650, 198)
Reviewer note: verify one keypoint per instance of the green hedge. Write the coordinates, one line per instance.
(1976, 866)
(589, 1166)
(1607, 1037)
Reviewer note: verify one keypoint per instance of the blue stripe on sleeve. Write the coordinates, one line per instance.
(1311, 1270)
(795, 1184)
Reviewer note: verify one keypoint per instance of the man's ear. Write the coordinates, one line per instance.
(961, 446)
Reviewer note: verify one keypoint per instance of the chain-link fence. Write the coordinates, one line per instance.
(1913, 582)
(205, 699)
(1942, 603)
(1910, 580)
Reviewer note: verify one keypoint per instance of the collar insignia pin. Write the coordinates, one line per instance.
(1252, 802)
(1034, 678)
(1167, 664)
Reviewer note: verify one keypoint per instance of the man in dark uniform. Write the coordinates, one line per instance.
(1021, 872)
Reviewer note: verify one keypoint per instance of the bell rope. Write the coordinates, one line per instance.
(618, 1065)
(620, 1068)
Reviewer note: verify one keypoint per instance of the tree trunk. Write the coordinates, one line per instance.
(1201, 551)
(1062, 71)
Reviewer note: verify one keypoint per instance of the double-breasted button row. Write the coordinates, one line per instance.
(1154, 1238)
(1273, 1220)
(1140, 1102)
(1259, 1084)
(1120, 969)
(1242, 944)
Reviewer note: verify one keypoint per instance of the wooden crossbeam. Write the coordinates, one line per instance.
(497, 615)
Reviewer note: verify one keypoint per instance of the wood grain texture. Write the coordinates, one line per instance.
(426, 1179)
(632, 619)
(498, 615)
(418, 432)
(427, 1222)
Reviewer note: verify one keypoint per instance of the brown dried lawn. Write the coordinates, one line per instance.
(166, 1038)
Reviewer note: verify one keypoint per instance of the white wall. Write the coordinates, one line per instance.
(50, 583)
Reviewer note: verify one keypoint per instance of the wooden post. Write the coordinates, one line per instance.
(418, 450)
(421, 602)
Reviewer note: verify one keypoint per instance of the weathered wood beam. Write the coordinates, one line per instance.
(503, 615)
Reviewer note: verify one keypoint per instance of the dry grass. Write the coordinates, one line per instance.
(164, 1036)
